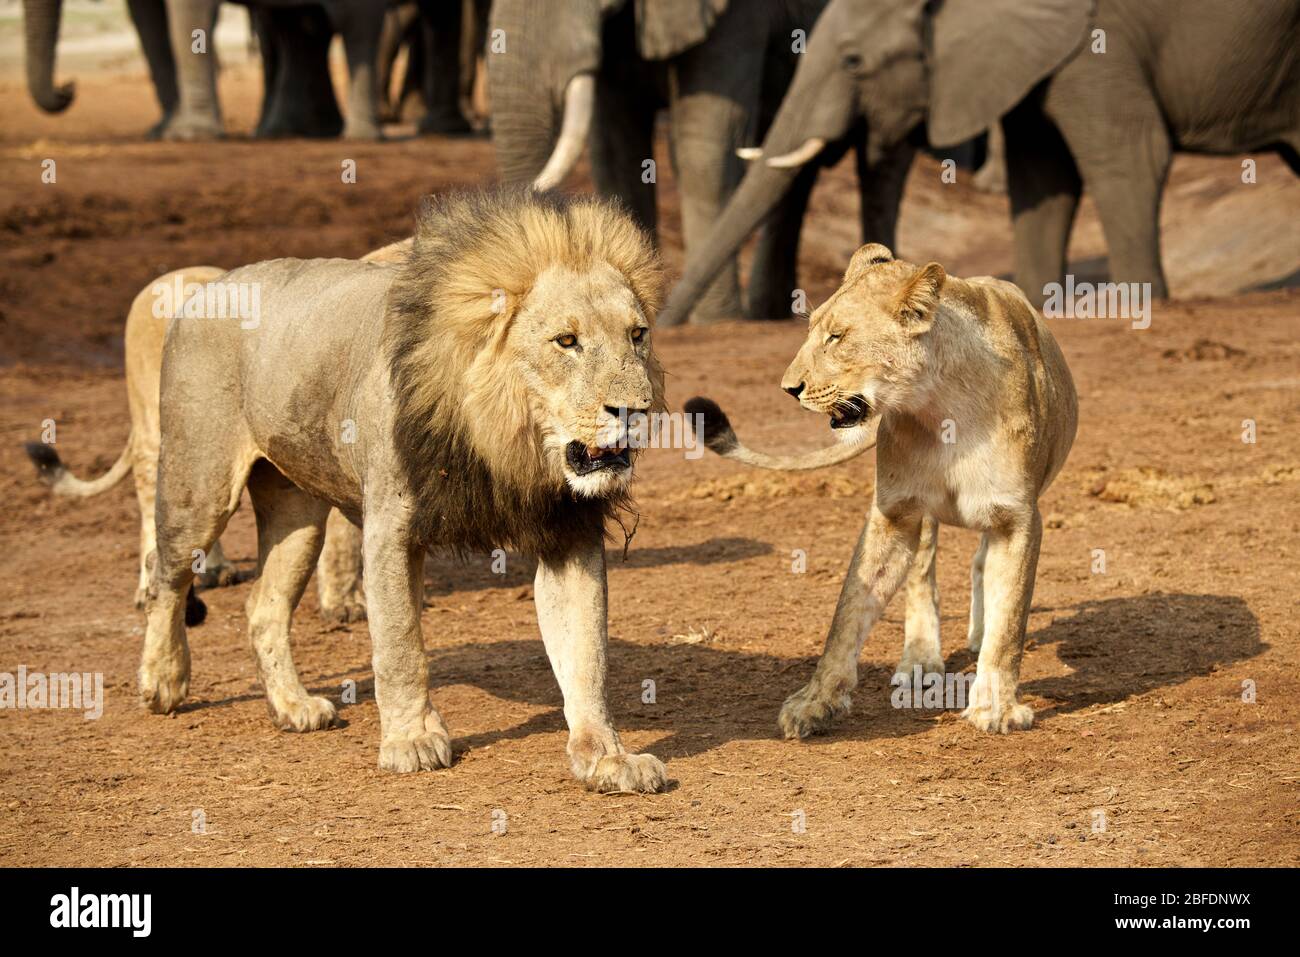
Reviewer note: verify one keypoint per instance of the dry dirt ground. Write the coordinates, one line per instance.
(1144, 751)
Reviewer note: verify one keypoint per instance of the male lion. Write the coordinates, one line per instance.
(338, 577)
(977, 412)
(484, 383)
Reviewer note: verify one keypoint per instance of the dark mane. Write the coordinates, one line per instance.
(470, 250)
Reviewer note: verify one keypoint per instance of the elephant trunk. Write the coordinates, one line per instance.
(542, 60)
(41, 34)
(758, 194)
(809, 127)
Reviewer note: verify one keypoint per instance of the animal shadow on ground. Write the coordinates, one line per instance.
(444, 574)
(705, 695)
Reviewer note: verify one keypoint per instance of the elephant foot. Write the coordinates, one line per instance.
(156, 132)
(181, 130)
(362, 130)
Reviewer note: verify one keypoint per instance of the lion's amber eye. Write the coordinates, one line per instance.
(566, 341)
(638, 333)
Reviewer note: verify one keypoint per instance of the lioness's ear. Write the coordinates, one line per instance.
(869, 255)
(919, 297)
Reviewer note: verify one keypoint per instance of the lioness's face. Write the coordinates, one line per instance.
(865, 352)
(582, 343)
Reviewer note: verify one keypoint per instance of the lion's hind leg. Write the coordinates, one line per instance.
(1008, 589)
(338, 572)
(290, 530)
(195, 499)
(921, 645)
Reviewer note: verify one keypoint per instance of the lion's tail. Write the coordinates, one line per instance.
(721, 438)
(51, 470)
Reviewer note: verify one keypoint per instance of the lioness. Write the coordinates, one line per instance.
(977, 412)
(483, 383)
(338, 577)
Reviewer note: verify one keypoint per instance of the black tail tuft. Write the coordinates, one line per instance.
(718, 434)
(47, 461)
(195, 610)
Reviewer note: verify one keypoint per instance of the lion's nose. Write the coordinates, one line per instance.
(794, 390)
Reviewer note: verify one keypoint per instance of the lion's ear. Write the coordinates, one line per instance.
(869, 255)
(917, 301)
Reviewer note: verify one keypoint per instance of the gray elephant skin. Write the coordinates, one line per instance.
(294, 35)
(1088, 93)
(565, 72)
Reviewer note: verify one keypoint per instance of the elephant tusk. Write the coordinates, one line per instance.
(803, 154)
(579, 102)
(749, 153)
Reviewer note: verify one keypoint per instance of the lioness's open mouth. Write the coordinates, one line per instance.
(850, 412)
(585, 459)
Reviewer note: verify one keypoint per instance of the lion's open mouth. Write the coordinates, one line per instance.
(850, 412)
(585, 459)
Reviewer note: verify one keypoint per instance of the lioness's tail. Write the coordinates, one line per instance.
(721, 438)
(51, 470)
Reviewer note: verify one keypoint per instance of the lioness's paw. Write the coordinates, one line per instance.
(308, 713)
(809, 711)
(628, 772)
(1000, 719)
(163, 689)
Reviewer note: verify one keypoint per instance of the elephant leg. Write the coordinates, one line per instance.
(400, 28)
(706, 131)
(1044, 186)
(880, 190)
(360, 27)
(621, 143)
(1124, 160)
(150, 20)
(190, 24)
(773, 276)
(442, 68)
(299, 98)
(716, 89)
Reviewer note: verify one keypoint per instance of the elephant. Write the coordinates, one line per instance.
(563, 74)
(298, 97)
(444, 43)
(1088, 92)
(198, 114)
(41, 34)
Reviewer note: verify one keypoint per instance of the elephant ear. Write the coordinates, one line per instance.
(986, 55)
(665, 28)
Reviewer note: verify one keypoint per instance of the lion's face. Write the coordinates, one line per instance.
(581, 343)
(866, 350)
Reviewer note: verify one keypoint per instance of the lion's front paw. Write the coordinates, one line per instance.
(628, 772)
(425, 750)
(1000, 718)
(811, 711)
(308, 713)
(993, 705)
(164, 687)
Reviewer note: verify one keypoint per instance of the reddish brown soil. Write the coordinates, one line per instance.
(1136, 674)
